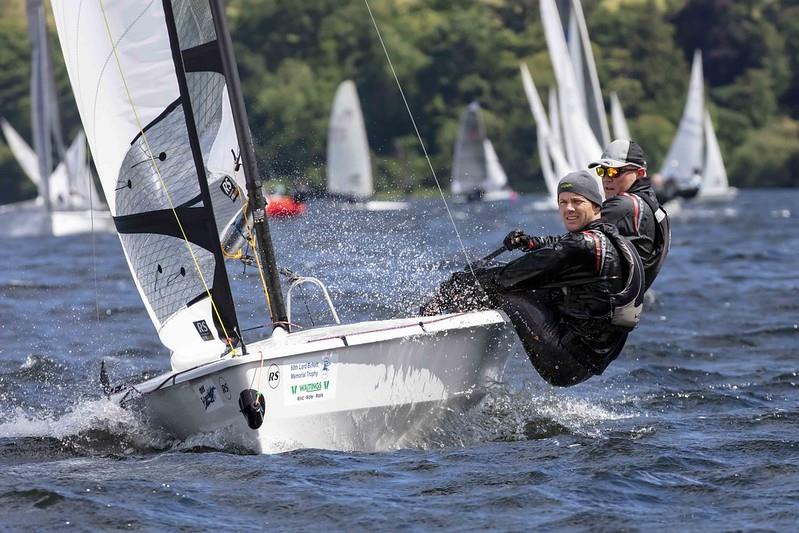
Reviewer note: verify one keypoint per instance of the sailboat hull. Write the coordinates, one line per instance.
(717, 196)
(30, 219)
(82, 221)
(368, 386)
(503, 195)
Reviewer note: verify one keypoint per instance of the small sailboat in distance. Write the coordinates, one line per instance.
(159, 96)
(349, 166)
(682, 167)
(67, 202)
(477, 173)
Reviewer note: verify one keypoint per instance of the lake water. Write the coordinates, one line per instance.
(694, 427)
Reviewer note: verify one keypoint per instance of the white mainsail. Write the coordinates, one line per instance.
(153, 102)
(349, 169)
(579, 44)
(581, 145)
(620, 129)
(715, 182)
(556, 152)
(684, 159)
(476, 170)
(553, 162)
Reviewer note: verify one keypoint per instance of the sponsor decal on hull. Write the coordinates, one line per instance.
(311, 380)
(212, 394)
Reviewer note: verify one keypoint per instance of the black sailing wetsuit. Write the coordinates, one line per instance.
(634, 214)
(559, 299)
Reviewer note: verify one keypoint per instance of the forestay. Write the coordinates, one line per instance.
(349, 169)
(154, 105)
(684, 158)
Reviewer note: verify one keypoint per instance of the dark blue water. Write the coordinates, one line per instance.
(694, 427)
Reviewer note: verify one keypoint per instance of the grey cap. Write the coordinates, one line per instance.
(621, 153)
(582, 183)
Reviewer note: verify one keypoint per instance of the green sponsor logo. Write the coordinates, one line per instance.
(566, 185)
(311, 387)
(327, 384)
(294, 389)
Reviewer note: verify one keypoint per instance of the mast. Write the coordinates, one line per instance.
(257, 202)
(40, 97)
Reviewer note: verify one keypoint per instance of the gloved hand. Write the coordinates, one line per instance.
(518, 239)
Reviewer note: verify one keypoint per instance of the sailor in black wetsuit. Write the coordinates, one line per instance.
(571, 298)
(631, 204)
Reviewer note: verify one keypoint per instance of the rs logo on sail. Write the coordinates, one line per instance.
(204, 330)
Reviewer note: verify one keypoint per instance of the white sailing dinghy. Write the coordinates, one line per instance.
(158, 93)
(477, 173)
(66, 203)
(694, 161)
(349, 167)
(74, 206)
(684, 161)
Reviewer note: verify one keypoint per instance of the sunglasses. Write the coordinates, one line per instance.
(612, 172)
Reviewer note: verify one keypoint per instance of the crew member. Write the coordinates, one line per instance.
(631, 204)
(571, 298)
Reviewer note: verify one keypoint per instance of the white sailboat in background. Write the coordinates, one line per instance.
(620, 129)
(694, 165)
(159, 97)
(580, 143)
(349, 168)
(553, 162)
(477, 173)
(682, 167)
(66, 203)
(577, 121)
(579, 44)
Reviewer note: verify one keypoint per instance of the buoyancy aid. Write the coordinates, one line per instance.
(662, 230)
(621, 308)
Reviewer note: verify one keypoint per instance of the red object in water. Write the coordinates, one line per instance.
(283, 207)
